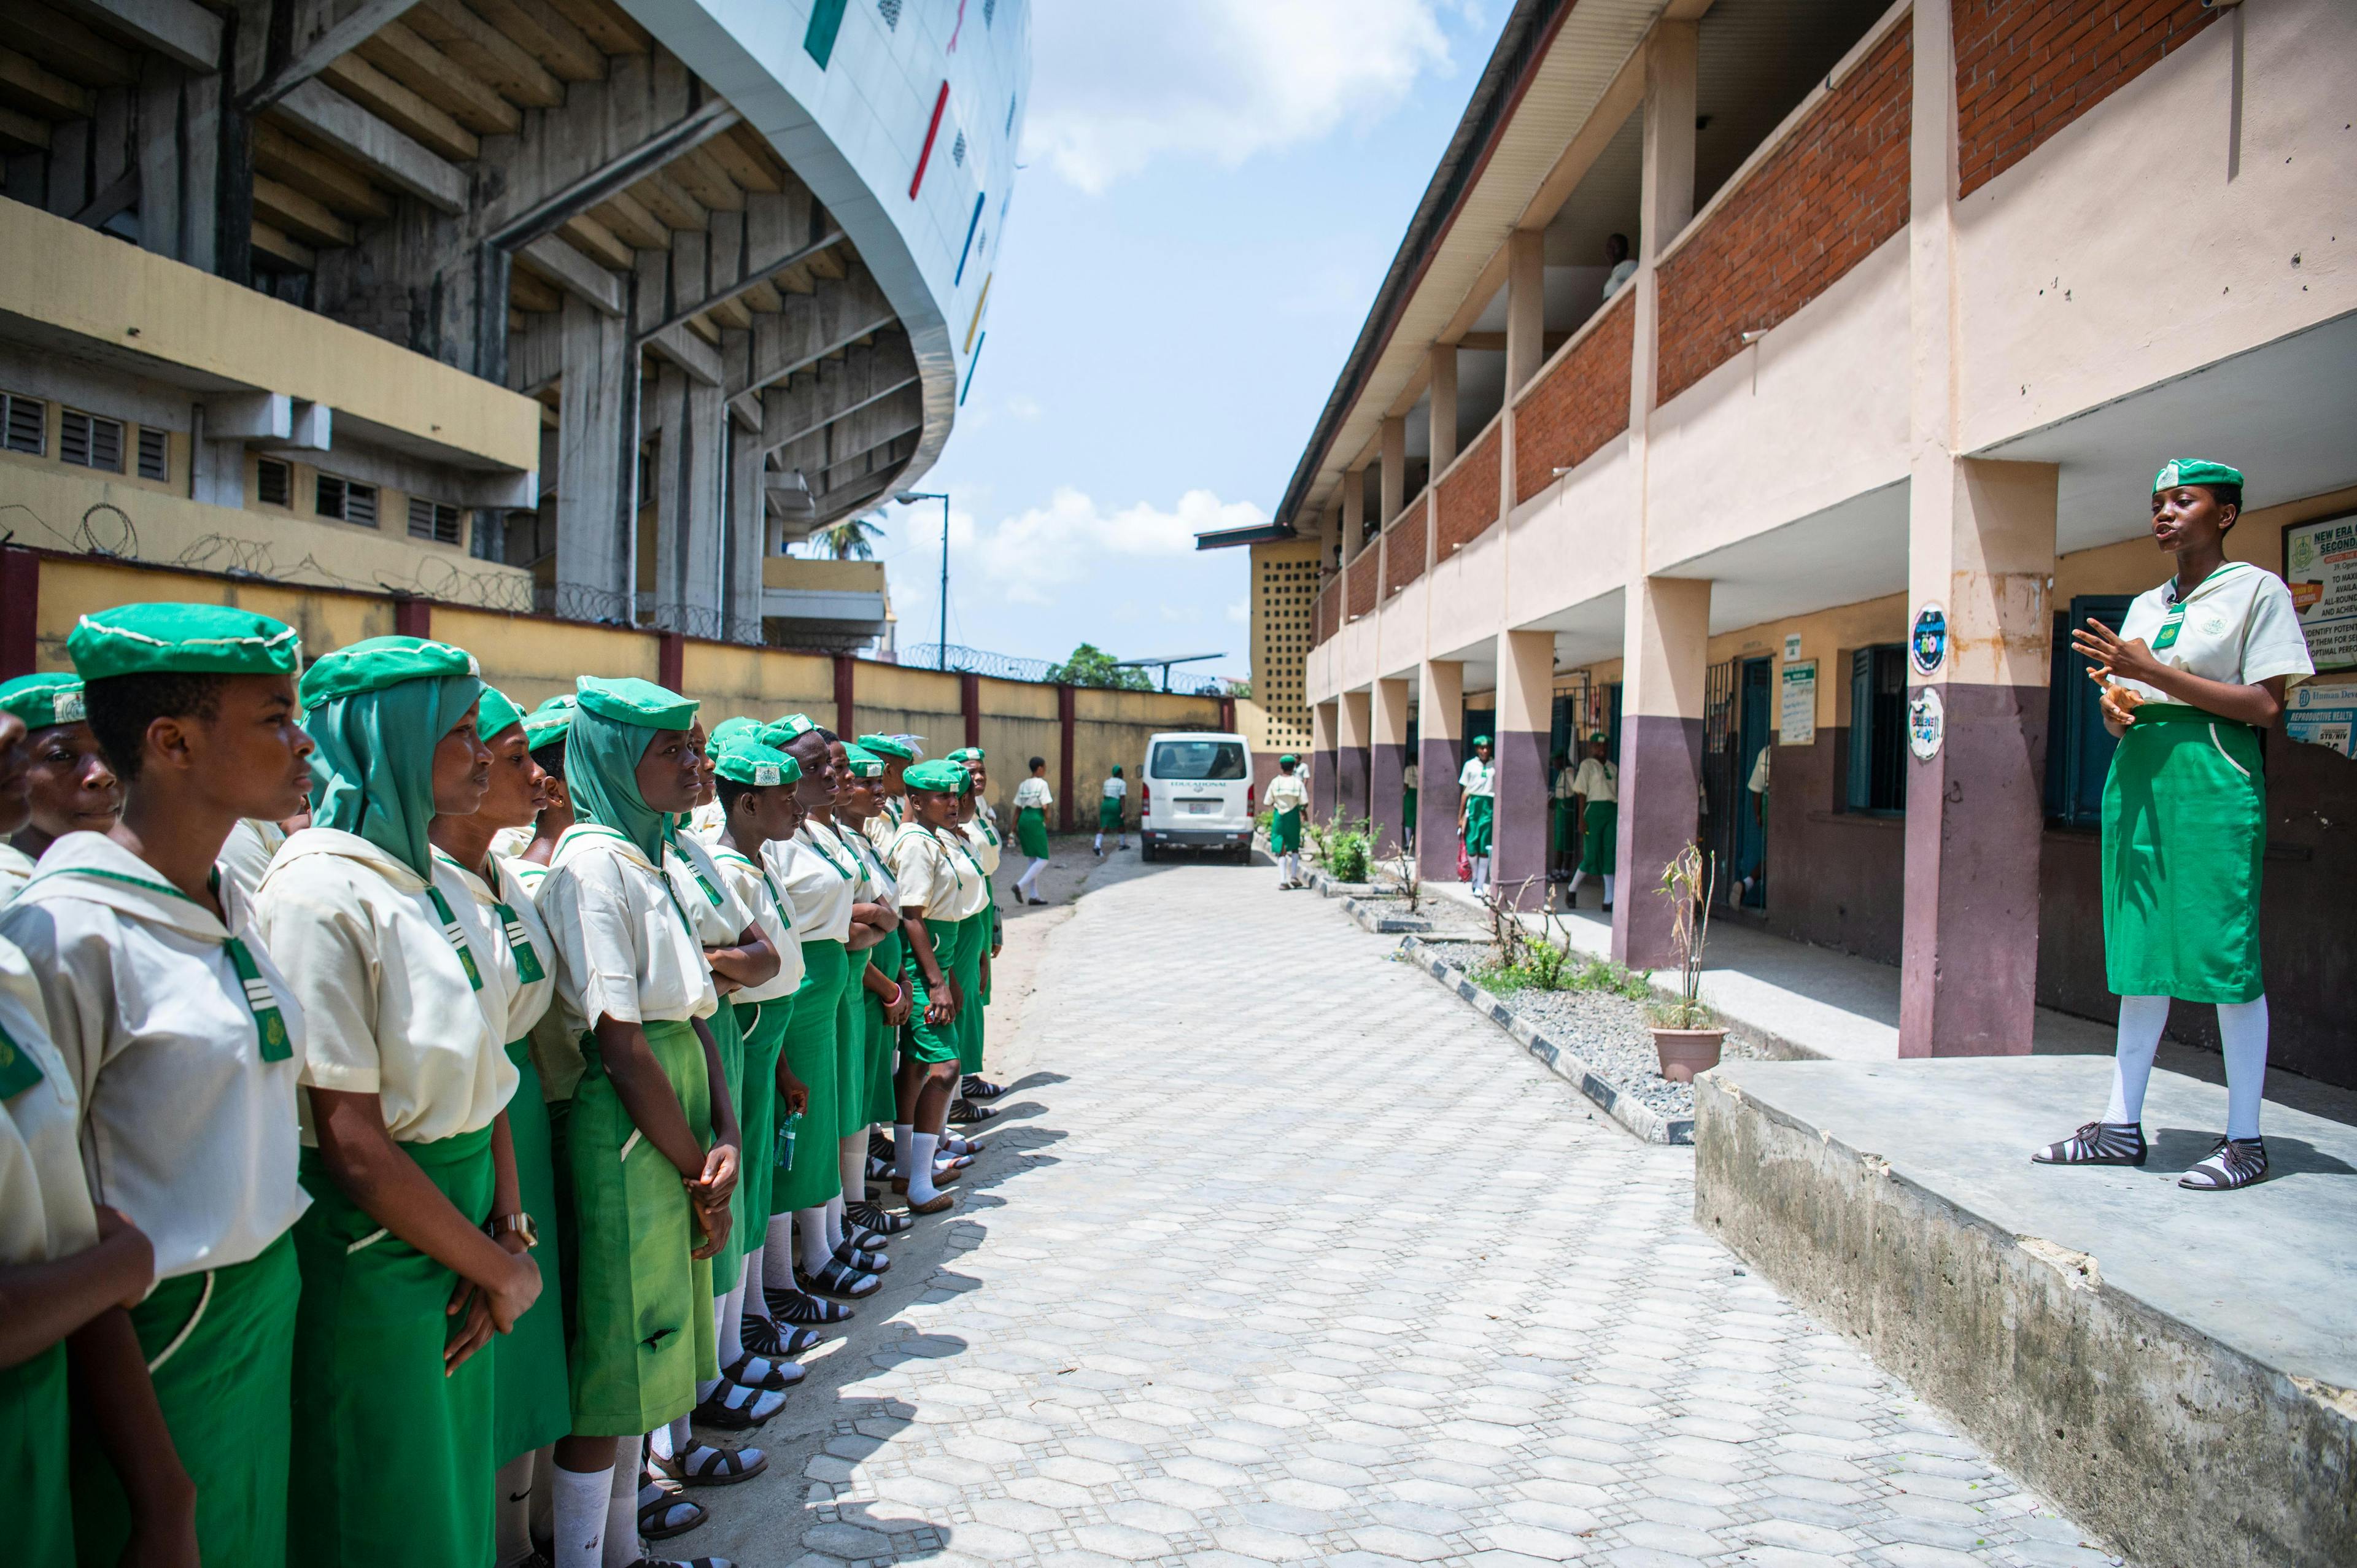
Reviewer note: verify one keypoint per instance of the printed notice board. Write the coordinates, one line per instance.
(2320, 565)
(1796, 713)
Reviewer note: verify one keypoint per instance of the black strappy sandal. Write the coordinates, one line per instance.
(706, 1465)
(668, 1513)
(769, 1374)
(964, 1112)
(2232, 1163)
(683, 1562)
(733, 1407)
(877, 1169)
(862, 1238)
(977, 1087)
(880, 1147)
(835, 1279)
(2097, 1143)
(876, 1219)
(852, 1258)
(774, 1340)
(801, 1307)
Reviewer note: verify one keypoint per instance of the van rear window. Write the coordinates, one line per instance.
(1204, 760)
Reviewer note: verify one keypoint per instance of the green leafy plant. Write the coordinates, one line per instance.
(1688, 881)
(1522, 960)
(1344, 845)
(1092, 666)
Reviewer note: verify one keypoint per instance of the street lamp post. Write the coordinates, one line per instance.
(941, 638)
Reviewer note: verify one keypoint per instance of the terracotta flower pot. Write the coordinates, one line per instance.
(1685, 1052)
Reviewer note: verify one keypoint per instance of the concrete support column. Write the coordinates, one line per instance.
(1443, 410)
(1395, 474)
(1323, 762)
(687, 498)
(745, 537)
(1386, 761)
(1665, 648)
(1440, 723)
(1354, 515)
(596, 432)
(1356, 734)
(1526, 715)
(1526, 309)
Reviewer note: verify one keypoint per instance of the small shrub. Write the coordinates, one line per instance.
(1345, 847)
(1688, 881)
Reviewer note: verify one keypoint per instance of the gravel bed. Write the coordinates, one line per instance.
(1607, 1032)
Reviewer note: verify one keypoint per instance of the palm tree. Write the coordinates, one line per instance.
(853, 538)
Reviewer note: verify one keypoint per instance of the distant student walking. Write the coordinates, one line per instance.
(1032, 799)
(1478, 782)
(1110, 802)
(1287, 798)
(1596, 791)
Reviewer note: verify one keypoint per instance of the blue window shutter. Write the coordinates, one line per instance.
(2089, 762)
(1861, 729)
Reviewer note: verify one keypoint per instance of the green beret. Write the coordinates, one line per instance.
(885, 745)
(863, 763)
(1288, 756)
(631, 701)
(496, 713)
(742, 759)
(2194, 472)
(44, 702)
(965, 754)
(547, 726)
(792, 727)
(1481, 740)
(563, 702)
(182, 639)
(736, 727)
(375, 662)
(1600, 739)
(941, 778)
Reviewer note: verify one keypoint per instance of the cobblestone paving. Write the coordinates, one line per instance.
(1301, 1261)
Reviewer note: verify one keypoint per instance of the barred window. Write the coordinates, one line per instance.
(274, 482)
(89, 442)
(346, 501)
(437, 520)
(28, 423)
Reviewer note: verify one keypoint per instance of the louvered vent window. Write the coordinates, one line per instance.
(89, 442)
(433, 519)
(347, 501)
(274, 483)
(154, 453)
(28, 424)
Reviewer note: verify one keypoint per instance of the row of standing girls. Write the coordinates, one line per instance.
(412, 1128)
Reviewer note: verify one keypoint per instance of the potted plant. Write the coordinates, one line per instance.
(1686, 1034)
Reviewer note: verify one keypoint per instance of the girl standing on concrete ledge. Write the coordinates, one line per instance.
(2195, 671)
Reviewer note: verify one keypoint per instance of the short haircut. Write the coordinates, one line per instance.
(2227, 495)
(731, 791)
(550, 758)
(1038, 763)
(826, 735)
(121, 707)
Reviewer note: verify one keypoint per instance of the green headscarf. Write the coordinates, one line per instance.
(376, 710)
(612, 728)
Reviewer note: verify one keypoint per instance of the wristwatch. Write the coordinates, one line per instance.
(516, 1224)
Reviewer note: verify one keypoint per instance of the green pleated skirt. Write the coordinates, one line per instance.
(924, 1042)
(1031, 832)
(888, 956)
(34, 1456)
(974, 944)
(1600, 855)
(642, 1333)
(1476, 823)
(728, 1042)
(2184, 836)
(1284, 833)
(532, 1401)
(392, 1460)
(809, 1049)
(220, 1347)
(850, 1054)
(763, 1024)
(1109, 813)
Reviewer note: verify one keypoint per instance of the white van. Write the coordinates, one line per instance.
(1197, 793)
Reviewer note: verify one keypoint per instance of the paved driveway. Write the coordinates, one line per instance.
(1284, 1256)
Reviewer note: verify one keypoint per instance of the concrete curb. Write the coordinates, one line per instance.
(1641, 1120)
(1379, 917)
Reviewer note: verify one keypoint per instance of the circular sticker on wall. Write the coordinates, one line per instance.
(1927, 723)
(1927, 641)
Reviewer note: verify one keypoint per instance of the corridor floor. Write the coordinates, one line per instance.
(1281, 1255)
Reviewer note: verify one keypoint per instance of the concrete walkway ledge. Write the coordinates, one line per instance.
(1624, 1108)
(2173, 1369)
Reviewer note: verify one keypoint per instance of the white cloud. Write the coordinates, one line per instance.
(1119, 85)
(1239, 613)
(1028, 557)
(1023, 408)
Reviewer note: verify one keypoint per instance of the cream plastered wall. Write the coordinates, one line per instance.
(75, 587)
(2120, 253)
(70, 276)
(765, 683)
(1578, 541)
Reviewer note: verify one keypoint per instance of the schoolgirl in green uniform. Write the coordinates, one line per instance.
(978, 826)
(1032, 799)
(653, 1138)
(1112, 797)
(415, 1203)
(885, 1003)
(531, 1393)
(930, 869)
(891, 789)
(1287, 798)
(2196, 671)
(1477, 780)
(1596, 785)
(66, 1270)
(71, 788)
(160, 996)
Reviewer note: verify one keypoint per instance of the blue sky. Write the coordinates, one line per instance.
(1211, 191)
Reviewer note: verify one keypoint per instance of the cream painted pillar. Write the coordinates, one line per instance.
(1354, 513)
(1440, 725)
(1667, 640)
(1525, 307)
(1386, 761)
(1351, 760)
(1322, 726)
(1443, 410)
(1393, 493)
(1525, 719)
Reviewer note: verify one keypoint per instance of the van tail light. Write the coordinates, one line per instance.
(1252, 799)
(1145, 797)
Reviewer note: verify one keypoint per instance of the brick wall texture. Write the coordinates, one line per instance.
(1403, 546)
(1469, 497)
(1817, 207)
(1580, 404)
(2025, 69)
(1366, 573)
(1328, 616)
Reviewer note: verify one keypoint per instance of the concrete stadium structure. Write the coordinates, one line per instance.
(1923, 294)
(574, 307)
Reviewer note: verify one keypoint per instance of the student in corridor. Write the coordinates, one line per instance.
(1477, 784)
(1596, 822)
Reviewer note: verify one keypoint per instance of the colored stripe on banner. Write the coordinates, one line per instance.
(826, 21)
(972, 224)
(941, 102)
(970, 365)
(981, 302)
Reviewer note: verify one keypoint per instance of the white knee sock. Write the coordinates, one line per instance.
(1101, 842)
(903, 1135)
(2142, 1018)
(852, 1165)
(2243, 1033)
(1028, 883)
(581, 1499)
(622, 1543)
(729, 1311)
(834, 1215)
(812, 1224)
(921, 1166)
(756, 1298)
(1576, 878)
(511, 1511)
(1608, 884)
